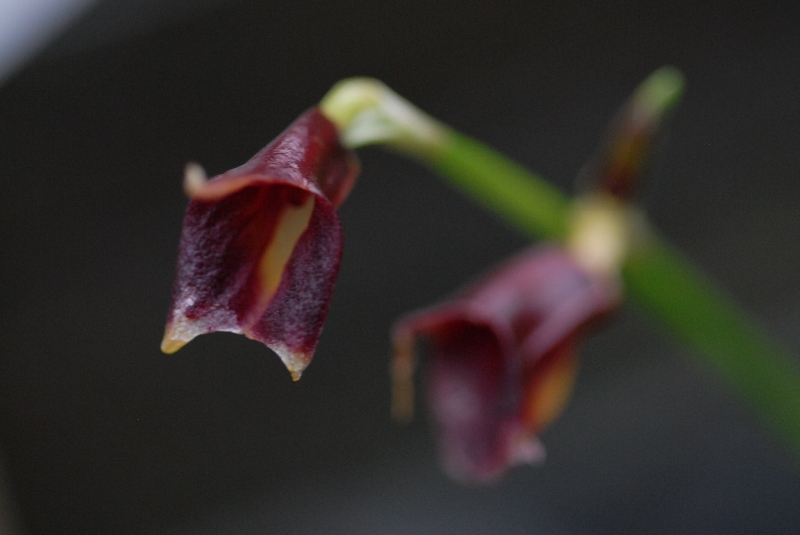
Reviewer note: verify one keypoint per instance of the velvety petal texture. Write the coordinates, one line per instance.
(502, 358)
(261, 244)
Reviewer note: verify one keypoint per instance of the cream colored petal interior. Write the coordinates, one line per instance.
(291, 225)
(552, 394)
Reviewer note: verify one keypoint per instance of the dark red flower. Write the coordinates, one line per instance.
(261, 244)
(502, 358)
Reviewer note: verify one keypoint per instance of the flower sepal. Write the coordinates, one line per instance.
(261, 244)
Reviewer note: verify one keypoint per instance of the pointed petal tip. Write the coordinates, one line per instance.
(194, 179)
(176, 336)
(170, 345)
(198, 187)
(295, 361)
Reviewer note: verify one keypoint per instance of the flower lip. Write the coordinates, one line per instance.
(502, 358)
(261, 244)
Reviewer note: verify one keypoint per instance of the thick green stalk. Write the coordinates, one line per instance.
(682, 298)
(504, 186)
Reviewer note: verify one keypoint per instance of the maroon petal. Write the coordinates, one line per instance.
(261, 244)
(502, 358)
(468, 396)
(293, 321)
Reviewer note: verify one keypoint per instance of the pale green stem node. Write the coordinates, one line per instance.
(367, 112)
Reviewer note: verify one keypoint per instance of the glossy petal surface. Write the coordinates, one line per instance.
(261, 244)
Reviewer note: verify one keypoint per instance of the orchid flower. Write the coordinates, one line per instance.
(503, 358)
(261, 244)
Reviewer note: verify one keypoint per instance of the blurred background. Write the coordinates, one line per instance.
(102, 433)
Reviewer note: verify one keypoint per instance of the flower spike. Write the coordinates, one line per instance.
(604, 221)
(623, 156)
(261, 244)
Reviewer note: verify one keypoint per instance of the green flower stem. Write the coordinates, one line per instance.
(661, 280)
(682, 298)
(524, 199)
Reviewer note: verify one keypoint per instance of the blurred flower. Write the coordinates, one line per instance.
(625, 153)
(261, 244)
(502, 359)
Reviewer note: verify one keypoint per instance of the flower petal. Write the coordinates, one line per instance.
(293, 321)
(261, 244)
(468, 394)
(502, 358)
(548, 387)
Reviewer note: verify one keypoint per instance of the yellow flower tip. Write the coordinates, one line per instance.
(198, 187)
(402, 371)
(194, 179)
(296, 361)
(178, 333)
(170, 344)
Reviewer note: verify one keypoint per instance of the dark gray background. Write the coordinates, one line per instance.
(101, 433)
